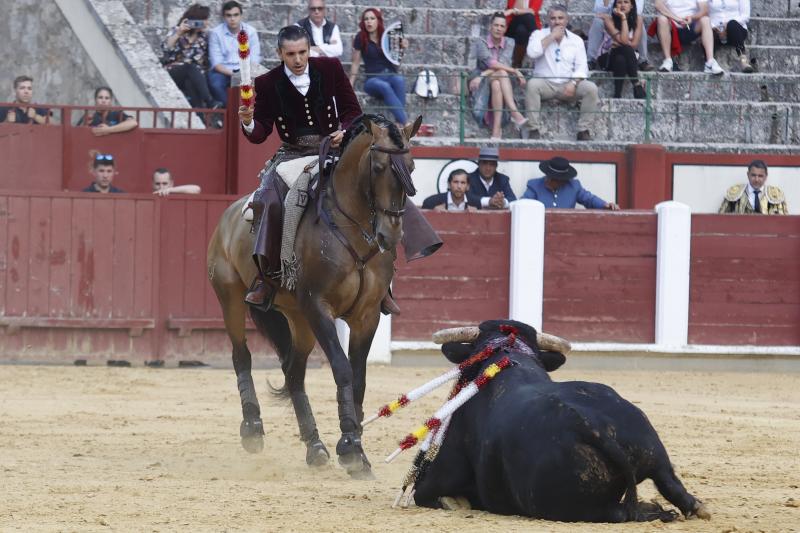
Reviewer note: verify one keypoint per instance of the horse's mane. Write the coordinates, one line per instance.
(358, 127)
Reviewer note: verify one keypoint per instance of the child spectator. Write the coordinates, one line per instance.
(383, 80)
(491, 79)
(729, 20)
(23, 112)
(105, 122)
(185, 56)
(623, 32)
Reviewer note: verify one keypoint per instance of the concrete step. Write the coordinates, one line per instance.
(623, 121)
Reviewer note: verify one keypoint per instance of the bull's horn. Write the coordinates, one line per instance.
(462, 334)
(552, 343)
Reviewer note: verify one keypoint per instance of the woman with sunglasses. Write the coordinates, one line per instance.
(383, 81)
(103, 121)
(185, 56)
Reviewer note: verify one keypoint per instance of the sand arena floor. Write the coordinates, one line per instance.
(136, 449)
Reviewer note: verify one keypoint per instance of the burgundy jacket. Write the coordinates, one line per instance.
(278, 104)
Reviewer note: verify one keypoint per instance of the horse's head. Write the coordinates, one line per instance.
(389, 165)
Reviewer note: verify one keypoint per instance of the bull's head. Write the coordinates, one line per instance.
(460, 343)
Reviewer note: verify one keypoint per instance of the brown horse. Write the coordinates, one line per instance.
(346, 251)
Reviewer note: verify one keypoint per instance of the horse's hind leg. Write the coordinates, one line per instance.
(230, 293)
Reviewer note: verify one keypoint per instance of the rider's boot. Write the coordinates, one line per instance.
(263, 289)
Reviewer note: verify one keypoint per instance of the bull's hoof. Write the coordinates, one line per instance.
(701, 511)
(317, 454)
(352, 457)
(455, 503)
(252, 433)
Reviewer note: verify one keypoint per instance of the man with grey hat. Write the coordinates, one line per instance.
(558, 188)
(487, 187)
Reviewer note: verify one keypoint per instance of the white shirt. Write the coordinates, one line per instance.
(723, 11)
(683, 8)
(332, 49)
(485, 199)
(752, 197)
(301, 83)
(452, 206)
(560, 61)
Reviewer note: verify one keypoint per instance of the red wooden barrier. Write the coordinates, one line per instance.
(465, 282)
(745, 280)
(600, 275)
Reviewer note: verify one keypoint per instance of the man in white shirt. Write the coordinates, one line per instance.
(559, 71)
(223, 50)
(455, 198)
(689, 18)
(325, 38)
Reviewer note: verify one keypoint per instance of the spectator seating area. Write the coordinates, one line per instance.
(686, 110)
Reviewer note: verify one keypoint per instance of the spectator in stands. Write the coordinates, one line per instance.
(163, 185)
(729, 20)
(558, 188)
(103, 121)
(185, 55)
(522, 19)
(597, 35)
(754, 197)
(681, 22)
(623, 33)
(326, 40)
(23, 112)
(488, 188)
(223, 50)
(383, 81)
(455, 198)
(490, 80)
(560, 71)
(103, 171)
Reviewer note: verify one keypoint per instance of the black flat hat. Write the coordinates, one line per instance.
(558, 168)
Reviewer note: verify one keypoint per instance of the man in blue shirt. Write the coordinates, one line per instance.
(558, 188)
(223, 50)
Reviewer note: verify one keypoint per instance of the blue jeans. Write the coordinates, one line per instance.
(392, 90)
(218, 84)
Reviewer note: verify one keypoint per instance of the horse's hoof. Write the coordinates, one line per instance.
(252, 433)
(317, 454)
(352, 457)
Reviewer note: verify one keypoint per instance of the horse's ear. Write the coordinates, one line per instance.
(412, 129)
(371, 127)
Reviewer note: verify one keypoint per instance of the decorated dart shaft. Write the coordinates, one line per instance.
(246, 85)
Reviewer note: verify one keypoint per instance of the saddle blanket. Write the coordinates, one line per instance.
(289, 172)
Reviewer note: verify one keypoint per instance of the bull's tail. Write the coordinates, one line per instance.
(611, 449)
(275, 328)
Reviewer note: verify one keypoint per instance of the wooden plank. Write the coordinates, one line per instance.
(82, 274)
(39, 268)
(215, 208)
(585, 222)
(195, 245)
(750, 291)
(731, 269)
(123, 258)
(737, 247)
(4, 253)
(775, 314)
(173, 222)
(737, 335)
(745, 225)
(61, 239)
(77, 323)
(144, 248)
(103, 252)
(19, 256)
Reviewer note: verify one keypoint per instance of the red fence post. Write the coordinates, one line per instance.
(649, 179)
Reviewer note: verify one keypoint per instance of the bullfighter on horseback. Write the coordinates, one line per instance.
(304, 99)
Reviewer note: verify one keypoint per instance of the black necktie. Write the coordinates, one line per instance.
(756, 204)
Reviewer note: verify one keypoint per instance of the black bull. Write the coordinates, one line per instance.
(570, 451)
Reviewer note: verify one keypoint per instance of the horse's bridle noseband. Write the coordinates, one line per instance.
(400, 171)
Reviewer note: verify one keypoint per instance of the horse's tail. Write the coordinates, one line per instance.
(275, 328)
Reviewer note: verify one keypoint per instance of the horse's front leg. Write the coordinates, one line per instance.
(361, 334)
(351, 454)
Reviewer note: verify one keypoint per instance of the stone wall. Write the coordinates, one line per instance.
(40, 43)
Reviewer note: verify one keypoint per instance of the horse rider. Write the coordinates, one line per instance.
(304, 99)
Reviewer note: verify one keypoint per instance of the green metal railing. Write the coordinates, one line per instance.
(757, 108)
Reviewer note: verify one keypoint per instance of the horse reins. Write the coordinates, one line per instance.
(400, 171)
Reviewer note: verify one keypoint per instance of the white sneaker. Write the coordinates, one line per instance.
(712, 67)
(666, 65)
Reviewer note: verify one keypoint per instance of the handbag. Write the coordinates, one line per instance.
(427, 86)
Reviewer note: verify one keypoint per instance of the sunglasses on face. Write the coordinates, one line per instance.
(316, 9)
(104, 157)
